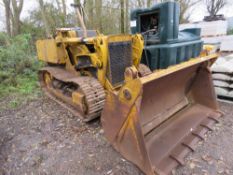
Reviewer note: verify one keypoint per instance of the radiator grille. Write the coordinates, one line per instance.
(120, 57)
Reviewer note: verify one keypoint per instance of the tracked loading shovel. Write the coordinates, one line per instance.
(154, 121)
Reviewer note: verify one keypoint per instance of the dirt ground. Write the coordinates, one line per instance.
(41, 138)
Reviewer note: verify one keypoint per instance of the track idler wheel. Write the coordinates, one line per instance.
(47, 78)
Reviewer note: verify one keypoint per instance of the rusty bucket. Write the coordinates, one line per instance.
(154, 121)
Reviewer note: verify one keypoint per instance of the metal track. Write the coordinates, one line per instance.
(90, 87)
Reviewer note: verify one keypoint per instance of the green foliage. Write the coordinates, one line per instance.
(35, 31)
(110, 19)
(230, 32)
(34, 24)
(18, 65)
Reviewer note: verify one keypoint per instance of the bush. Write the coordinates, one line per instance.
(230, 32)
(18, 64)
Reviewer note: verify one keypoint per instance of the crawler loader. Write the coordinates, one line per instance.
(153, 89)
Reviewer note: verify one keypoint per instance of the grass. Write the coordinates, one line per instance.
(26, 89)
(25, 85)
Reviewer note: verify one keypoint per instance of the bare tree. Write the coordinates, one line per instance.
(44, 18)
(17, 6)
(126, 16)
(63, 12)
(141, 3)
(90, 10)
(61, 5)
(8, 15)
(13, 9)
(64, 8)
(122, 16)
(148, 4)
(185, 5)
(213, 6)
(98, 4)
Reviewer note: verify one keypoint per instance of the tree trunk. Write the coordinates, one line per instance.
(77, 2)
(16, 26)
(58, 5)
(64, 12)
(43, 14)
(8, 16)
(122, 16)
(140, 3)
(17, 7)
(148, 3)
(90, 7)
(64, 7)
(98, 4)
(127, 16)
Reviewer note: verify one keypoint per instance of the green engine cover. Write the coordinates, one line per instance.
(165, 45)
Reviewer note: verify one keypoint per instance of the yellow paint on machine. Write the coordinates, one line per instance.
(152, 120)
(48, 51)
(54, 51)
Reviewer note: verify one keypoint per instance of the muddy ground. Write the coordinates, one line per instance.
(41, 138)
